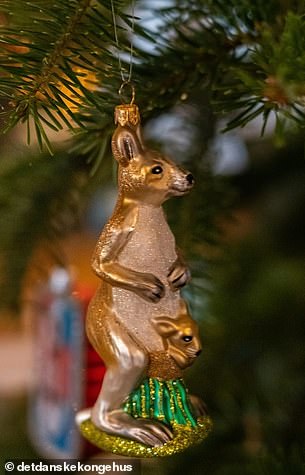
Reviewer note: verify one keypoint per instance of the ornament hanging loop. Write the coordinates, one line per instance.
(133, 92)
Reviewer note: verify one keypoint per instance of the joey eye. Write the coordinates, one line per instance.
(187, 338)
(157, 170)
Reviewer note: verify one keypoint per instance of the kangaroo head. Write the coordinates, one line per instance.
(181, 337)
(145, 174)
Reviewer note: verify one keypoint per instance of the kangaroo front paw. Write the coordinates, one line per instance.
(151, 288)
(145, 431)
(178, 276)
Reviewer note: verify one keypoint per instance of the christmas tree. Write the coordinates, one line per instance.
(198, 66)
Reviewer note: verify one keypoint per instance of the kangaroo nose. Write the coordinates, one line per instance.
(198, 352)
(190, 178)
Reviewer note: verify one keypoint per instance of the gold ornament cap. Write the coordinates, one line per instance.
(127, 114)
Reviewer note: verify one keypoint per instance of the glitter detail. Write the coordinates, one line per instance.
(184, 436)
(151, 249)
(143, 399)
(162, 365)
(152, 397)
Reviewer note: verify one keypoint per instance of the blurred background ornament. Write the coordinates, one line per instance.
(67, 371)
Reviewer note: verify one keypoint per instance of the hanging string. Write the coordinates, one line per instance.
(125, 80)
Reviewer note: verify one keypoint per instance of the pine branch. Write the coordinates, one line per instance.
(59, 64)
(51, 57)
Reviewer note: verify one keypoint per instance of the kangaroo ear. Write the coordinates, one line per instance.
(125, 145)
(164, 326)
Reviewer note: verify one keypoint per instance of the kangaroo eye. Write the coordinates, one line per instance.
(187, 339)
(157, 170)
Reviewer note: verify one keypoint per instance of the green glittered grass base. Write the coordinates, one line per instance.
(165, 401)
(184, 436)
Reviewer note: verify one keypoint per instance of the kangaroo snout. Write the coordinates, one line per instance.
(182, 181)
(190, 179)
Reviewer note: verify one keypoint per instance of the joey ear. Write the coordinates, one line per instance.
(164, 326)
(125, 145)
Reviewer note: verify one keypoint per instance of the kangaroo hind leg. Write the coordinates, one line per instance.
(126, 364)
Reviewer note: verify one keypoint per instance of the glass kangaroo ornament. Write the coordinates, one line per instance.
(137, 321)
